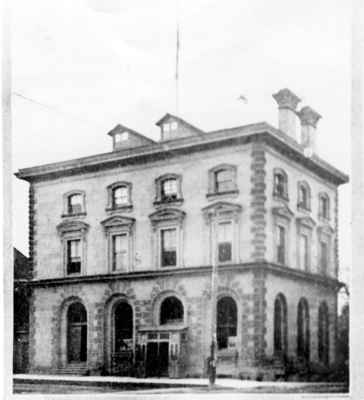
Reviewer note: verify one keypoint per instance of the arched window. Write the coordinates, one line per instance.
(171, 311)
(123, 327)
(222, 180)
(226, 321)
(303, 330)
(280, 325)
(324, 206)
(323, 333)
(76, 333)
(304, 196)
(280, 183)
(168, 189)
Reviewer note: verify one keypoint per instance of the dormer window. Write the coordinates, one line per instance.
(121, 137)
(304, 196)
(169, 128)
(119, 197)
(168, 189)
(280, 183)
(324, 206)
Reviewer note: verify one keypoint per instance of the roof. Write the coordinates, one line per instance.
(120, 127)
(180, 120)
(204, 140)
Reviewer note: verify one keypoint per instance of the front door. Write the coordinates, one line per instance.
(157, 359)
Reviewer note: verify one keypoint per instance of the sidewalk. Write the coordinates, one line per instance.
(124, 382)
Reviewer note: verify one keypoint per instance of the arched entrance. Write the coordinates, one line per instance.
(280, 326)
(76, 333)
(123, 327)
(122, 340)
(323, 333)
(303, 330)
(226, 322)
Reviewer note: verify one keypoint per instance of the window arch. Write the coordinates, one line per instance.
(323, 333)
(280, 325)
(171, 311)
(74, 203)
(324, 206)
(280, 183)
(123, 326)
(76, 333)
(303, 330)
(227, 315)
(304, 196)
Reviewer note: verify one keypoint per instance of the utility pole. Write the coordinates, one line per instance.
(212, 360)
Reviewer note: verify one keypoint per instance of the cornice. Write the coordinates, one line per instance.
(193, 271)
(205, 141)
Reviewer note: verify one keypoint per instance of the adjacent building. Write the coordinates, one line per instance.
(22, 275)
(122, 245)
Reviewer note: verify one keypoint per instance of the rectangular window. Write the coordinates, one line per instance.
(324, 257)
(225, 240)
(281, 245)
(169, 247)
(73, 256)
(120, 252)
(304, 252)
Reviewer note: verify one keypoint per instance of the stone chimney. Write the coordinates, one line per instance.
(287, 103)
(309, 119)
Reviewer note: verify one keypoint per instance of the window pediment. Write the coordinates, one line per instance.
(282, 211)
(117, 221)
(72, 226)
(222, 208)
(170, 214)
(306, 221)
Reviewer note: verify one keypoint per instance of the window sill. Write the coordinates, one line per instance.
(81, 214)
(124, 208)
(227, 193)
(277, 196)
(176, 202)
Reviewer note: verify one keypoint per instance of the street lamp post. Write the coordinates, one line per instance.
(212, 357)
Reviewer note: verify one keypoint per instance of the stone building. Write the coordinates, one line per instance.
(22, 275)
(121, 248)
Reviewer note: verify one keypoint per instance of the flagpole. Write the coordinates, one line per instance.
(177, 57)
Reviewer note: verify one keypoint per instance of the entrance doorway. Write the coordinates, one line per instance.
(76, 333)
(157, 358)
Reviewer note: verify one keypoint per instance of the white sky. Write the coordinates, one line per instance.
(95, 63)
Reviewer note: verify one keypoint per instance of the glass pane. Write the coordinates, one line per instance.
(120, 195)
(166, 127)
(304, 251)
(169, 187)
(225, 232)
(75, 204)
(173, 126)
(120, 251)
(224, 180)
(169, 239)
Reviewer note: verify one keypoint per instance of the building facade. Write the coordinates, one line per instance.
(122, 246)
